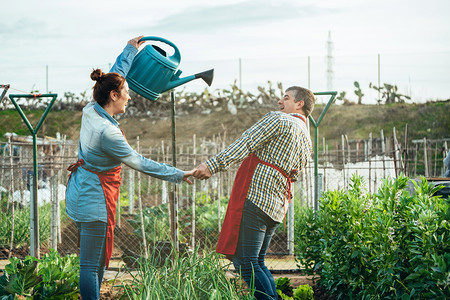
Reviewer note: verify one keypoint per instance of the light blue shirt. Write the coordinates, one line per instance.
(447, 165)
(102, 146)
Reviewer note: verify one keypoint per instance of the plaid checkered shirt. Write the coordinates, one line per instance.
(279, 139)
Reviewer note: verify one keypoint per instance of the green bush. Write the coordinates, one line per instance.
(52, 277)
(389, 245)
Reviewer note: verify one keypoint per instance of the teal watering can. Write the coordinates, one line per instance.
(153, 72)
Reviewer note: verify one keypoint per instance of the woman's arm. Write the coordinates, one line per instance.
(115, 145)
(125, 59)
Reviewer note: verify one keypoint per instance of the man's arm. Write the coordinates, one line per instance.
(254, 138)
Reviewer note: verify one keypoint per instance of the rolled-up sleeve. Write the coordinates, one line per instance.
(254, 138)
(115, 145)
(124, 60)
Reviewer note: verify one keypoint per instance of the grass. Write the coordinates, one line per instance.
(192, 276)
(65, 122)
(22, 226)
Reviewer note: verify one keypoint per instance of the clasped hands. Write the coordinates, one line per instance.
(200, 172)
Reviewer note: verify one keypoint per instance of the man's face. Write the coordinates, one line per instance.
(287, 103)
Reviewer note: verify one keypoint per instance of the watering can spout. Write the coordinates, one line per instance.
(207, 76)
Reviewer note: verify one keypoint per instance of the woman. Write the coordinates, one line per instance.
(93, 188)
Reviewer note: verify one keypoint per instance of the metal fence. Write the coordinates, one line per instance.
(144, 201)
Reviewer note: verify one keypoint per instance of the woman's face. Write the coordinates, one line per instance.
(122, 99)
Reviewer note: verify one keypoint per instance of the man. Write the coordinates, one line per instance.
(274, 150)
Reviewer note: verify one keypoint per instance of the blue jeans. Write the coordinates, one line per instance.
(255, 233)
(92, 258)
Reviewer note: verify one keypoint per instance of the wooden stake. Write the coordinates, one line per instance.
(194, 152)
(406, 171)
(370, 161)
(383, 150)
(425, 157)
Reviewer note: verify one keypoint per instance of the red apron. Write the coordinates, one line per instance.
(229, 234)
(110, 181)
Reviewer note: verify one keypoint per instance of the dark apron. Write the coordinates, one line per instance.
(229, 235)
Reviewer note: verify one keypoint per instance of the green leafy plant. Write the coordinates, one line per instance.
(284, 296)
(303, 292)
(387, 245)
(52, 277)
(59, 275)
(284, 285)
(20, 278)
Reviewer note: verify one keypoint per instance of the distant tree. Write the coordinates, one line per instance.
(358, 92)
(389, 93)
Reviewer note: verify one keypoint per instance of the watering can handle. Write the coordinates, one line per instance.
(175, 57)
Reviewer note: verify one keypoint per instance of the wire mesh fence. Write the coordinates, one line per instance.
(143, 217)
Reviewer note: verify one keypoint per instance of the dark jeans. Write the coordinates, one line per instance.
(92, 258)
(255, 233)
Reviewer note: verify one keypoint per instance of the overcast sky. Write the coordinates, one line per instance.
(272, 38)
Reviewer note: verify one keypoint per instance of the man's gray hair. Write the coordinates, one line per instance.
(305, 95)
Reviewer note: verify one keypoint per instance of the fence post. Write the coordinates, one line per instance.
(54, 218)
(406, 152)
(11, 149)
(3, 166)
(290, 240)
(130, 191)
(194, 152)
(34, 242)
(425, 157)
(383, 150)
(141, 213)
(164, 183)
(435, 159)
(149, 181)
(416, 152)
(343, 161)
(370, 161)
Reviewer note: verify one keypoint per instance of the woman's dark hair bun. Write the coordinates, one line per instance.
(97, 74)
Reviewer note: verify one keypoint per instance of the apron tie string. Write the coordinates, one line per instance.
(73, 167)
(287, 193)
